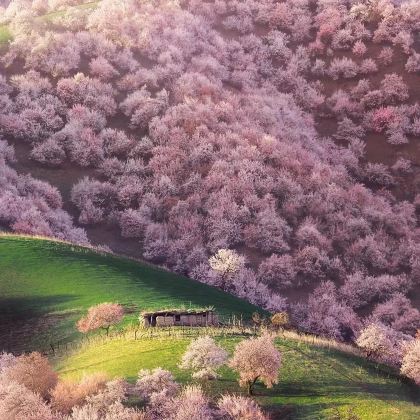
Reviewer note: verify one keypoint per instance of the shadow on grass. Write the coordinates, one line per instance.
(302, 411)
(181, 289)
(29, 320)
(336, 388)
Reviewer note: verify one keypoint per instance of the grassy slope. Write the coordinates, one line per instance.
(45, 286)
(314, 382)
(5, 35)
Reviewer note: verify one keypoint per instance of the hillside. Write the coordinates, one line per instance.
(46, 285)
(258, 157)
(315, 383)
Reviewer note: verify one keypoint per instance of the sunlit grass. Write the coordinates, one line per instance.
(5, 35)
(314, 382)
(83, 6)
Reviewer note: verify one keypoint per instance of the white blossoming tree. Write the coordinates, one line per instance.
(226, 262)
(203, 356)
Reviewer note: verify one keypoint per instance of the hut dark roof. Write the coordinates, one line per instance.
(178, 311)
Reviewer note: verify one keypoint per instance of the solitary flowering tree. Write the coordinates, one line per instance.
(226, 262)
(204, 357)
(256, 359)
(101, 316)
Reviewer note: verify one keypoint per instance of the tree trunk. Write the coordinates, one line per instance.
(250, 390)
(251, 386)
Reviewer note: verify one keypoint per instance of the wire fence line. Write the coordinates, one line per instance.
(57, 348)
(226, 330)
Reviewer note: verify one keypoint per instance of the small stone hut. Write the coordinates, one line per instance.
(180, 317)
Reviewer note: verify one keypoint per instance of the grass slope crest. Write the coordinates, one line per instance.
(54, 283)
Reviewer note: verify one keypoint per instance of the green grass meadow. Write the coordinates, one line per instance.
(315, 383)
(45, 286)
(5, 35)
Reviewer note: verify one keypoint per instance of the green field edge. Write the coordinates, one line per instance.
(6, 34)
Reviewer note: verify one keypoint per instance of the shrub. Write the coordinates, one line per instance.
(204, 357)
(68, 394)
(236, 407)
(374, 341)
(226, 262)
(256, 359)
(359, 48)
(280, 320)
(113, 392)
(141, 107)
(326, 314)
(157, 381)
(413, 63)
(191, 404)
(382, 118)
(378, 174)
(6, 360)
(368, 66)
(386, 55)
(394, 89)
(34, 372)
(343, 67)
(102, 316)
(19, 403)
(49, 152)
(278, 271)
(102, 68)
(411, 361)
(403, 166)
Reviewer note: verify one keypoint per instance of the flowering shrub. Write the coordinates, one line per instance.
(381, 343)
(34, 372)
(68, 394)
(150, 384)
(101, 316)
(256, 359)
(18, 402)
(238, 407)
(204, 357)
(343, 67)
(411, 361)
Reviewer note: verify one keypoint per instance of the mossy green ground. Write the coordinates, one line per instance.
(5, 35)
(45, 286)
(314, 382)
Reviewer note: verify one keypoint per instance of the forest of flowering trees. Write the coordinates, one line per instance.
(202, 125)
